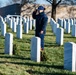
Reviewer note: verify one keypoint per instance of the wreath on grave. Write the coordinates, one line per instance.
(44, 56)
(15, 49)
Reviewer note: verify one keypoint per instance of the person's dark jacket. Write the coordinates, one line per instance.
(41, 22)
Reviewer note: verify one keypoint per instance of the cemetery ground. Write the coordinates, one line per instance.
(21, 64)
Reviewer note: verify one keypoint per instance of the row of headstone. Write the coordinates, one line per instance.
(17, 26)
(61, 22)
(69, 25)
(54, 25)
(59, 32)
(2, 27)
(21, 21)
(64, 24)
(70, 47)
(35, 46)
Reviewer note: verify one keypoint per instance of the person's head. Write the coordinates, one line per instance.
(41, 9)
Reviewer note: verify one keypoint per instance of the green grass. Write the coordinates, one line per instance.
(22, 65)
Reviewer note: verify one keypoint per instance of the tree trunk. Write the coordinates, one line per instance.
(53, 15)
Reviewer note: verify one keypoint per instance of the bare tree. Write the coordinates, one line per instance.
(54, 3)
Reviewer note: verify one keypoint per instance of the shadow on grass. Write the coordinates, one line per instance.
(1, 48)
(41, 73)
(30, 71)
(69, 37)
(2, 37)
(51, 45)
(34, 64)
(14, 57)
(45, 65)
(49, 35)
(31, 34)
(24, 40)
(1, 53)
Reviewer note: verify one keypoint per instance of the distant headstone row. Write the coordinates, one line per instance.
(17, 23)
(61, 26)
(35, 46)
(59, 32)
(69, 26)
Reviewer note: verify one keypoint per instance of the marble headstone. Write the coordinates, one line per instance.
(9, 43)
(35, 49)
(26, 29)
(67, 27)
(74, 30)
(70, 56)
(19, 31)
(59, 36)
(3, 28)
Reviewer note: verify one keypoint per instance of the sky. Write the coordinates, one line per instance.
(4, 3)
(41, 2)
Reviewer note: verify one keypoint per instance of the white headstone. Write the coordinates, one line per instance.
(60, 22)
(19, 31)
(74, 20)
(9, 43)
(17, 20)
(67, 27)
(65, 24)
(74, 30)
(20, 21)
(30, 25)
(52, 24)
(59, 36)
(67, 20)
(27, 19)
(34, 22)
(71, 22)
(55, 27)
(24, 20)
(35, 49)
(26, 29)
(70, 56)
(14, 26)
(3, 28)
(11, 23)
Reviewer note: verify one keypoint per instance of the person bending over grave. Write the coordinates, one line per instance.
(41, 23)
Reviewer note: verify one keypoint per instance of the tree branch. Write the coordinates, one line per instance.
(49, 1)
(58, 2)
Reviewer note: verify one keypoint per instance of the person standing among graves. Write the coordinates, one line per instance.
(41, 23)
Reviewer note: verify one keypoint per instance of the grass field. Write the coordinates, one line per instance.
(20, 64)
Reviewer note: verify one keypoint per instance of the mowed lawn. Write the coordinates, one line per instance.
(20, 64)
